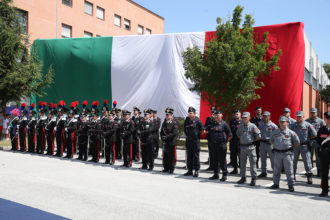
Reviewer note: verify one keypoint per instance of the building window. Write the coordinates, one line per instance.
(100, 13)
(66, 31)
(22, 18)
(88, 34)
(118, 20)
(88, 8)
(140, 30)
(67, 2)
(148, 31)
(98, 35)
(127, 24)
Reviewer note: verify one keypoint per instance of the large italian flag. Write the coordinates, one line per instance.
(147, 71)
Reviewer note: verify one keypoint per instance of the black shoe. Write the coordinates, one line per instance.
(223, 178)
(214, 177)
(189, 173)
(274, 186)
(107, 162)
(229, 164)
(235, 171)
(262, 175)
(144, 168)
(151, 168)
(324, 193)
(79, 158)
(253, 182)
(309, 178)
(209, 169)
(164, 171)
(291, 188)
(242, 180)
(196, 173)
(171, 171)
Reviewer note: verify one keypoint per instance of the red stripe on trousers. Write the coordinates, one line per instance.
(114, 152)
(72, 136)
(34, 141)
(24, 132)
(130, 153)
(62, 142)
(175, 154)
(53, 134)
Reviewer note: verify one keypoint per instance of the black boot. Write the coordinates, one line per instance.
(242, 180)
(253, 182)
(223, 178)
(214, 177)
(309, 178)
(324, 193)
(189, 173)
(235, 171)
(262, 175)
(274, 186)
(196, 173)
(291, 188)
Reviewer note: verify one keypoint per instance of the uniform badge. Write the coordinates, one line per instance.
(286, 136)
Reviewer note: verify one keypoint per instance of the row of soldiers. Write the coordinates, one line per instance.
(283, 142)
(113, 134)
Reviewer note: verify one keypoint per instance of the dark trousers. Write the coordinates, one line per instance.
(147, 155)
(118, 147)
(31, 141)
(325, 162)
(14, 142)
(127, 154)
(70, 144)
(50, 143)
(60, 143)
(22, 140)
(169, 157)
(193, 149)
(41, 142)
(257, 143)
(83, 150)
(219, 153)
(209, 145)
(95, 148)
(110, 152)
(136, 150)
(156, 146)
(234, 153)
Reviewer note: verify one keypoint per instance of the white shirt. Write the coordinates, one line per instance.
(5, 123)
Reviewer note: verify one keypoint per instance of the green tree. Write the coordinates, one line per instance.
(325, 94)
(20, 72)
(228, 71)
(326, 67)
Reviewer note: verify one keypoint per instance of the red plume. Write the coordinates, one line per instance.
(23, 104)
(41, 103)
(51, 105)
(115, 102)
(105, 102)
(55, 106)
(97, 103)
(72, 104)
(32, 105)
(77, 103)
(85, 103)
(45, 104)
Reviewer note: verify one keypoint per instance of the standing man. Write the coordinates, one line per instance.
(70, 133)
(49, 128)
(14, 132)
(306, 133)
(317, 124)
(22, 124)
(104, 120)
(31, 128)
(127, 134)
(157, 124)
(208, 122)
(146, 131)
(119, 121)
(169, 133)
(220, 134)
(59, 128)
(94, 140)
(40, 127)
(284, 141)
(82, 132)
(234, 142)
(287, 113)
(110, 140)
(248, 133)
(323, 137)
(193, 128)
(257, 119)
(137, 119)
(266, 128)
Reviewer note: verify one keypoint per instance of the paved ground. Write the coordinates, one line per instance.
(43, 187)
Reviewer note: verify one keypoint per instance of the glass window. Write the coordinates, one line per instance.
(66, 31)
(148, 31)
(22, 17)
(127, 24)
(140, 30)
(67, 2)
(88, 8)
(100, 13)
(88, 34)
(117, 20)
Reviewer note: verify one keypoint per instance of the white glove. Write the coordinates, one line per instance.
(55, 129)
(66, 129)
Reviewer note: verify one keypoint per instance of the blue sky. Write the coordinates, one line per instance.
(200, 15)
